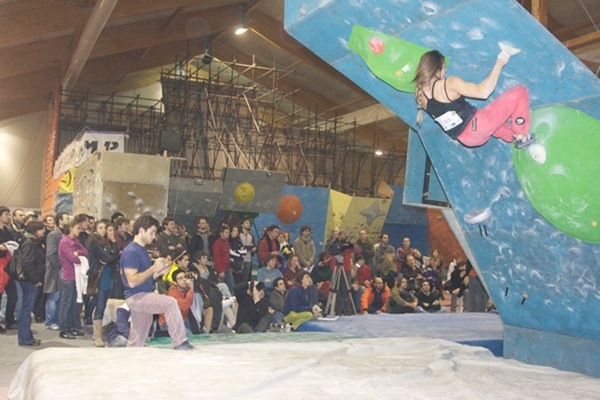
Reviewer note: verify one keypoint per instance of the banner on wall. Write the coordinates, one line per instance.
(85, 144)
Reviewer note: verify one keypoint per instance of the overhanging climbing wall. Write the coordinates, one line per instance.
(546, 284)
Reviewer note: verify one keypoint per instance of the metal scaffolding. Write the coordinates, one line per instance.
(225, 119)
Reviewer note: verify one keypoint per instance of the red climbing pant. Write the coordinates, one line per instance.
(506, 116)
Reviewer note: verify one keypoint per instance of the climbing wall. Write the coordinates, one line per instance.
(544, 282)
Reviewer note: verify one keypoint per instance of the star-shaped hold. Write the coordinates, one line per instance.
(373, 212)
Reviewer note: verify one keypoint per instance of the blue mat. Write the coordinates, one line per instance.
(476, 329)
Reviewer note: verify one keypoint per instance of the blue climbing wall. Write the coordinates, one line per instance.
(518, 253)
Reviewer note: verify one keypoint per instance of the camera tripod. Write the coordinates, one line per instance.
(339, 278)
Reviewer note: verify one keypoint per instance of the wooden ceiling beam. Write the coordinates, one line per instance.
(539, 10)
(40, 56)
(584, 40)
(143, 34)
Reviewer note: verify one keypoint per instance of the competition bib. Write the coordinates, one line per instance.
(449, 120)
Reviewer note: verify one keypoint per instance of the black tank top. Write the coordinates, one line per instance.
(460, 106)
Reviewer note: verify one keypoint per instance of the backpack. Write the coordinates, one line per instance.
(15, 265)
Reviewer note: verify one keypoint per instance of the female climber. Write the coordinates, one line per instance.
(506, 118)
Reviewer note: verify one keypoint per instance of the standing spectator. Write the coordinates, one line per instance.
(285, 247)
(476, 298)
(169, 240)
(364, 247)
(200, 240)
(250, 245)
(304, 248)
(221, 253)
(52, 281)
(69, 251)
(403, 251)
(123, 237)
(237, 251)
(103, 255)
(383, 250)
(268, 245)
(33, 259)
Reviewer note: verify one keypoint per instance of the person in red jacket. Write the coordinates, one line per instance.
(220, 252)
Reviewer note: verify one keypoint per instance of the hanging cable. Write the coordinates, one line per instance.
(588, 14)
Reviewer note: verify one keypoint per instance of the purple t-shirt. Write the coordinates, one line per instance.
(136, 257)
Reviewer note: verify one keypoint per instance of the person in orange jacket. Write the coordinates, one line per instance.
(375, 297)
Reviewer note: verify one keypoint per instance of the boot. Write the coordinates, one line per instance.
(97, 336)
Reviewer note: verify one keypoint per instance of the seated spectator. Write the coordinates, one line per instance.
(402, 300)
(277, 299)
(301, 302)
(292, 267)
(412, 272)
(206, 284)
(254, 313)
(321, 276)
(269, 273)
(429, 300)
(387, 270)
(432, 273)
(229, 306)
(183, 292)
(361, 278)
(375, 297)
(165, 282)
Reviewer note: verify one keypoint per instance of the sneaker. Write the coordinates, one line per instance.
(184, 346)
(2, 330)
(76, 332)
(523, 144)
(66, 335)
(53, 327)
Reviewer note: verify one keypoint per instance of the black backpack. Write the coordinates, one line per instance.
(15, 265)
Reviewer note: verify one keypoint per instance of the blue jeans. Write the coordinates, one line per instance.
(66, 313)
(228, 279)
(52, 304)
(29, 293)
(101, 300)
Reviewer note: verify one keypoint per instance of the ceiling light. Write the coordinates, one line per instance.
(243, 21)
(378, 153)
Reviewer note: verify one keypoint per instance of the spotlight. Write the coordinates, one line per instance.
(243, 26)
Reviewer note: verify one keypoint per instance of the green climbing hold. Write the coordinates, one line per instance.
(391, 59)
(559, 173)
